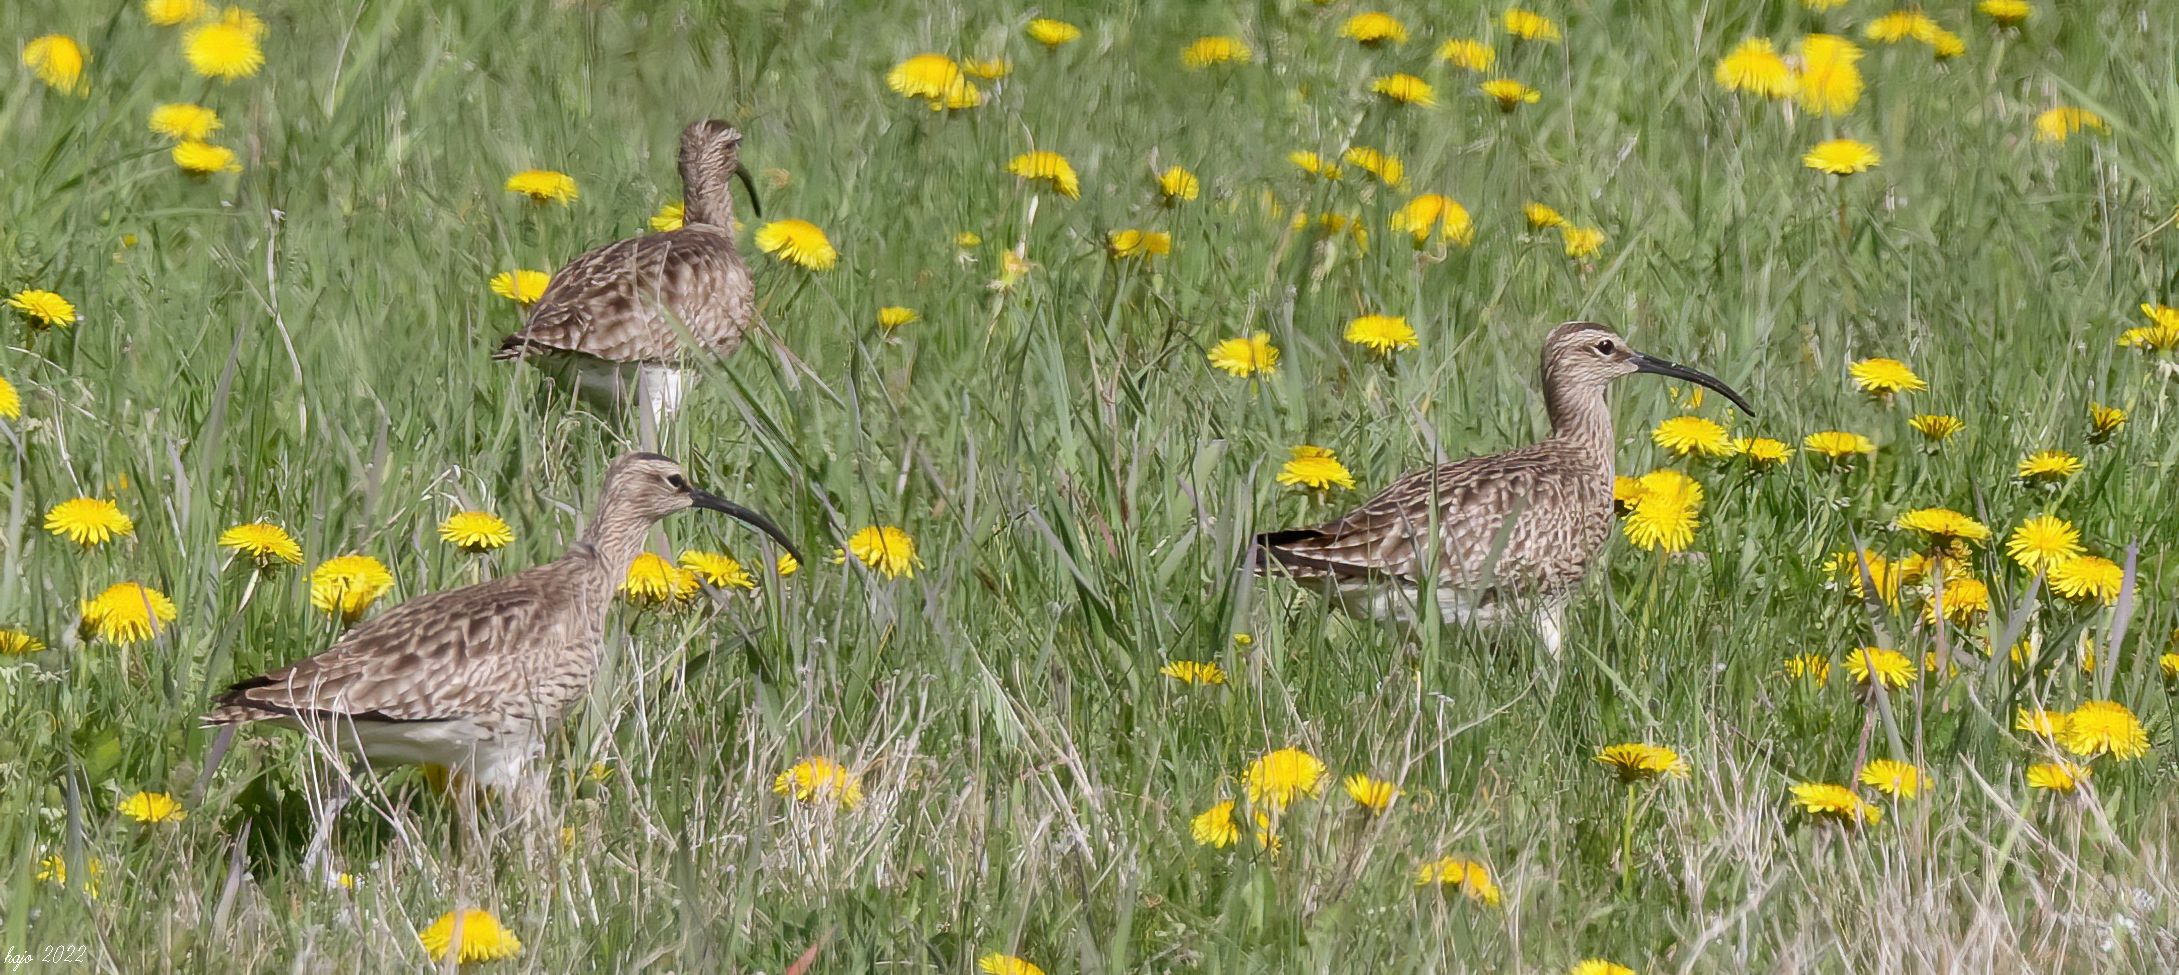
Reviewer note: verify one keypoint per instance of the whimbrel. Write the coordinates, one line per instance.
(472, 678)
(626, 317)
(1492, 538)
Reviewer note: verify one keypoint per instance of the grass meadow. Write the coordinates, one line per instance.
(305, 339)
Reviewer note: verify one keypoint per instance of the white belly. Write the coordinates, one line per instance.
(494, 760)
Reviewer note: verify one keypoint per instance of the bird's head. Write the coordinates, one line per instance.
(1586, 354)
(711, 152)
(651, 486)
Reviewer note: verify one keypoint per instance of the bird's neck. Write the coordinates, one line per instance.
(611, 542)
(1581, 419)
(705, 197)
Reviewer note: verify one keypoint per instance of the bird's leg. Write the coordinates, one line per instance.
(338, 795)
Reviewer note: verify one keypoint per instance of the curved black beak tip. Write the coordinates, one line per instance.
(756, 203)
(712, 502)
(1666, 367)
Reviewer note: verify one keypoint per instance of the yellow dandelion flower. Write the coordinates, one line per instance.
(1936, 426)
(1684, 435)
(184, 122)
(2104, 728)
(1243, 357)
(2048, 466)
(1900, 780)
(1529, 25)
(1900, 25)
(1314, 165)
(1048, 168)
(225, 49)
(1177, 185)
(670, 217)
(1829, 81)
(1194, 672)
(1890, 667)
(1374, 795)
(2044, 541)
(172, 13)
(1883, 377)
(1205, 52)
(263, 542)
(797, 242)
(204, 159)
(989, 69)
(1382, 334)
(786, 565)
(1942, 525)
(482, 938)
(1965, 600)
(654, 582)
(886, 549)
(88, 522)
(1376, 162)
(544, 186)
(2047, 725)
(1509, 94)
(891, 317)
(15, 643)
(346, 585)
(926, 75)
(1052, 33)
(1582, 242)
(2161, 334)
(998, 964)
(1315, 468)
(1665, 511)
(1812, 667)
(717, 570)
(475, 531)
(1599, 966)
(43, 309)
(1761, 452)
(1541, 217)
(2057, 776)
(1216, 827)
(1838, 444)
(57, 60)
(1276, 778)
(2006, 13)
(152, 807)
(521, 286)
(1641, 762)
(1457, 873)
(53, 869)
(1754, 66)
(1404, 89)
(127, 612)
(1139, 245)
(11, 402)
(818, 779)
(1843, 157)
(2057, 124)
(2087, 577)
(1468, 54)
(1374, 28)
(1838, 803)
(2104, 421)
(1419, 216)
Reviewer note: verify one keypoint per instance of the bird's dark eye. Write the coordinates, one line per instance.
(679, 483)
(1605, 347)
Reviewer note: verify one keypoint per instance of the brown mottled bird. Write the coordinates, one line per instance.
(1505, 536)
(471, 678)
(627, 317)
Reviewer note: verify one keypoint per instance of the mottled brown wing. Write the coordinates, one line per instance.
(1388, 535)
(631, 301)
(439, 657)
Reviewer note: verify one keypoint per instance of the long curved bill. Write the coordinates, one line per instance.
(1666, 367)
(712, 502)
(756, 205)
